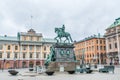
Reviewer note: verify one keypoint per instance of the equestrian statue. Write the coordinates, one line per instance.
(62, 34)
(61, 53)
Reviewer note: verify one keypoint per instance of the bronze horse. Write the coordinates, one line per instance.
(62, 34)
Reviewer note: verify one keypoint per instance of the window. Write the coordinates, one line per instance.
(30, 55)
(9, 47)
(44, 48)
(37, 55)
(87, 48)
(101, 55)
(16, 47)
(8, 55)
(24, 47)
(115, 45)
(104, 42)
(104, 48)
(31, 38)
(97, 47)
(0, 55)
(44, 55)
(93, 55)
(97, 54)
(1, 47)
(31, 47)
(100, 41)
(110, 46)
(90, 55)
(100, 47)
(92, 47)
(37, 48)
(24, 55)
(15, 55)
(97, 41)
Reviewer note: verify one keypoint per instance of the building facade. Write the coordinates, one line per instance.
(91, 50)
(112, 37)
(28, 49)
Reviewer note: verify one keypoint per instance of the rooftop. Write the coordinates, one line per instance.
(91, 37)
(8, 38)
(14, 38)
(30, 32)
(115, 24)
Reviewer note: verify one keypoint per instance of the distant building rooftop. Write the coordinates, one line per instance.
(91, 37)
(116, 23)
(8, 38)
(14, 38)
(31, 32)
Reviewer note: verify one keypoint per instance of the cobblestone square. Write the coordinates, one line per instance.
(24, 74)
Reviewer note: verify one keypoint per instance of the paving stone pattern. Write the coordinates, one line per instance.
(25, 75)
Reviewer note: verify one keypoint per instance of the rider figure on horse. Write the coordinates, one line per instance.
(62, 34)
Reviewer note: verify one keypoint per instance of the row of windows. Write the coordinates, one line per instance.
(23, 48)
(31, 55)
(115, 46)
(113, 38)
(31, 38)
(24, 55)
(8, 47)
(92, 55)
(100, 41)
(92, 49)
(101, 47)
(91, 43)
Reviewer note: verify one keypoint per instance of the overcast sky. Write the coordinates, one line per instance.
(82, 18)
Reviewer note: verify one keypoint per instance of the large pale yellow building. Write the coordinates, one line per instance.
(91, 50)
(112, 37)
(28, 49)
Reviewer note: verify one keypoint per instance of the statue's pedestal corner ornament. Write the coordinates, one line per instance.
(61, 53)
